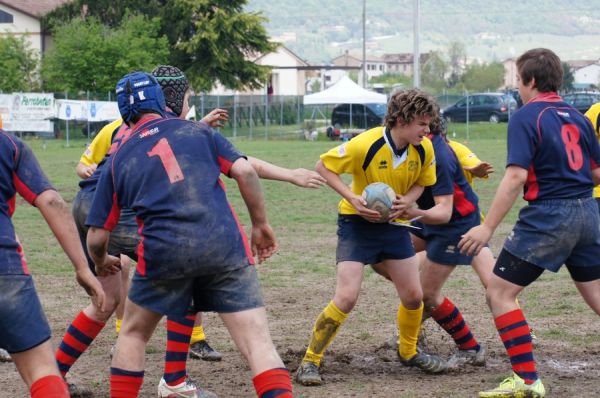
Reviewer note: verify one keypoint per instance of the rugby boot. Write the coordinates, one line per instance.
(5, 356)
(201, 350)
(186, 389)
(76, 391)
(468, 357)
(515, 387)
(308, 374)
(428, 363)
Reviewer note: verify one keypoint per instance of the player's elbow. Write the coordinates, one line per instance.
(242, 170)
(50, 200)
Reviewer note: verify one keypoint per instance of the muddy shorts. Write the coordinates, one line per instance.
(370, 243)
(442, 240)
(23, 324)
(231, 291)
(124, 237)
(550, 233)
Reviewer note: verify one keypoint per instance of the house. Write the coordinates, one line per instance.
(288, 75)
(586, 73)
(374, 66)
(402, 63)
(510, 73)
(23, 18)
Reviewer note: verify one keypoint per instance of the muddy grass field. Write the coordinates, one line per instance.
(299, 281)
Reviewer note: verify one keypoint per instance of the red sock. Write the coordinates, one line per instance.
(273, 383)
(125, 383)
(516, 336)
(179, 333)
(51, 386)
(80, 334)
(448, 316)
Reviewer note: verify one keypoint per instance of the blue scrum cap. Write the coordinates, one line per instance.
(137, 92)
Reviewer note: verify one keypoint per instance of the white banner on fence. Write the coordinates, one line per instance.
(32, 106)
(28, 125)
(101, 111)
(94, 111)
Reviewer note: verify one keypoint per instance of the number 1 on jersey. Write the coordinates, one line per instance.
(163, 150)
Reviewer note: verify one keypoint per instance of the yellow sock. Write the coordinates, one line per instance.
(118, 323)
(324, 330)
(409, 325)
(197, 334)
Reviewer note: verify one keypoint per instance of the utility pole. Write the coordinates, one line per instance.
(416, 53)
(364, 43)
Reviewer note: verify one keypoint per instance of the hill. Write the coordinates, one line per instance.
(490, 30)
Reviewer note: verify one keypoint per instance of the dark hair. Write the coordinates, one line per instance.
(544, 66)
(438, 126)
(406, 105)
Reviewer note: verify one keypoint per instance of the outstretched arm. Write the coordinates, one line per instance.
(58, 216)
(263, 238)
(300, 177)
(506, 195)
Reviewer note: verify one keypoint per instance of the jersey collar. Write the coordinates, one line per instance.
(398, 155)
(546, 97)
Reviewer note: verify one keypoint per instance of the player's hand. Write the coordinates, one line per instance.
(92, 286)
(401, 203)
(263, 242)
(408, 213)
(307, 178)
(482, 170)
(216, 118)
(111, 266)
(475, 239)
(360, 204)
(89, 170)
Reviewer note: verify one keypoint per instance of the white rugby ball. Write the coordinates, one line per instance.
(380, 197)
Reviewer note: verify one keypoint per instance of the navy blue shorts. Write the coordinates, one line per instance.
(231, 291)
(124, 238)
(370, 243)
(23, 324)
(442, 240)
(550, 233)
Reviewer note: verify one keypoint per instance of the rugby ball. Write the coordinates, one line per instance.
(379, 197)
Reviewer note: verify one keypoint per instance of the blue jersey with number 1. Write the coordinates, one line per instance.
(168, 173)
(556, 144)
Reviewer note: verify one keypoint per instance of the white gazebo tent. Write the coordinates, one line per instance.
(345, 91)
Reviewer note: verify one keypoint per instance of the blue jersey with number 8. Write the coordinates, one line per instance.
(556, 144)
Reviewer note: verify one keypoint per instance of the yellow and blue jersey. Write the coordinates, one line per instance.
(466, 158)
(372, 157)
(594, 115)
(100, 145)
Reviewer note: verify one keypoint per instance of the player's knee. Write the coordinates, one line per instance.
(413, 298)
(346, 301)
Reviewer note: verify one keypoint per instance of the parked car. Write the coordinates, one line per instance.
(491, 107)
(581, 101)
(364, 116)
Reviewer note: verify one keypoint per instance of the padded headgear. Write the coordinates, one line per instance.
(137, 92)
(174, 85)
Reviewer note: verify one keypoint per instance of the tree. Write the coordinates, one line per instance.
(209, 40)
(484, 77)
(18, 65)
(457, 55)
(433, 72)
(568, 78)
(88, 55)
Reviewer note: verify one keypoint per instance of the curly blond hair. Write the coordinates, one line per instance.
(406, 105)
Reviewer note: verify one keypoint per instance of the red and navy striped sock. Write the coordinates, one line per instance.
(448, 316)
(80, 334)
(179, 333)
(125, 383)
(51, 386)
(514, 332)
(273, 383)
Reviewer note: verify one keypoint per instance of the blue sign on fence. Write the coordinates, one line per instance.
(68, 111)
(93, 109)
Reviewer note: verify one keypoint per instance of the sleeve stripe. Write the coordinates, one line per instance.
(24, 190)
